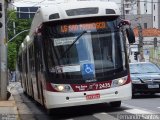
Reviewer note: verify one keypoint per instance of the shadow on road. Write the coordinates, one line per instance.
(145, 96)
(80, 111)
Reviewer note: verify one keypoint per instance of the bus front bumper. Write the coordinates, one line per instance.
(58, 100)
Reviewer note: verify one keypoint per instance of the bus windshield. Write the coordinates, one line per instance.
(87, 50)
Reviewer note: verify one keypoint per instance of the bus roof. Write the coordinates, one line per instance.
(78, 9)
(74, 9)
(69, 10)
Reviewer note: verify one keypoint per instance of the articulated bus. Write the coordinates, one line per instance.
(75, 54)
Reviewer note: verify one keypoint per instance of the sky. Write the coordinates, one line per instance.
(21, 3)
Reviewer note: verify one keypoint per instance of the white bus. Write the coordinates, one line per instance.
(75, 54)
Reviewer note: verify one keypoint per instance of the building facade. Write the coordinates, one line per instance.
(151, 48)
(156, 13)
(145, 12)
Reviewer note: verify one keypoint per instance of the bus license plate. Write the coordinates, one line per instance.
(93, 96)
(153, 86)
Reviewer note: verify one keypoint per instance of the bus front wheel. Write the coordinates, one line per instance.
(115, 104)
(49, 111)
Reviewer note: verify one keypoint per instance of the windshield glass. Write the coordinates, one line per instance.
(98, 50)
(143, 68)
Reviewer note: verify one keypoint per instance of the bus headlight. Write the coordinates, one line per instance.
(62, 87)
(119, 82)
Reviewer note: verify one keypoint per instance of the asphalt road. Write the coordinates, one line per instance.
(140, 107)
(148, 102)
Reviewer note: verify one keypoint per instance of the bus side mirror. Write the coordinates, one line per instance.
(130, 35)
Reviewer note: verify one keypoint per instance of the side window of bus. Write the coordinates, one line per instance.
(31, 58)
(20, 63)
(38, 53)
(50, 56)
(26, 68)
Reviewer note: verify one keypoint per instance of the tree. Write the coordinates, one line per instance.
(13, 46)
(12, 56)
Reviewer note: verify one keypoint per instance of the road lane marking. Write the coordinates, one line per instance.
(141, 112)
(137, 111)
(135, 107)
(104, 116)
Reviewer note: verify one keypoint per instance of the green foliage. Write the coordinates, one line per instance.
(11, 56)
(13, 46)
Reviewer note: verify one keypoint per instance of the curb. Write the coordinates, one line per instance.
(8, 110)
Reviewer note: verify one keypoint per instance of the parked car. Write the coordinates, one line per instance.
(145, 77)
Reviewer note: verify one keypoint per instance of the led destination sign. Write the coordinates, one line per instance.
(82, 27)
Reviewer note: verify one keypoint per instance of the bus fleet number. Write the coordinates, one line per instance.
(104, 85)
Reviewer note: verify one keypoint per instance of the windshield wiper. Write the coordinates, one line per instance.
(73, 43)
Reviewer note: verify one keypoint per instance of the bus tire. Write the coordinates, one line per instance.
(115, 104)
(25, 93)
(42, 95)
(49, 111)
(152, 93)
(32, 89)
(133, 95)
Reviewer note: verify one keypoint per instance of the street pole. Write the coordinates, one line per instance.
(3, 53)
(140, 46)
(14, 28)
(17, 35)
(123, 9)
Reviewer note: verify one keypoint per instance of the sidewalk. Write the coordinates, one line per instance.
(8, 110)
